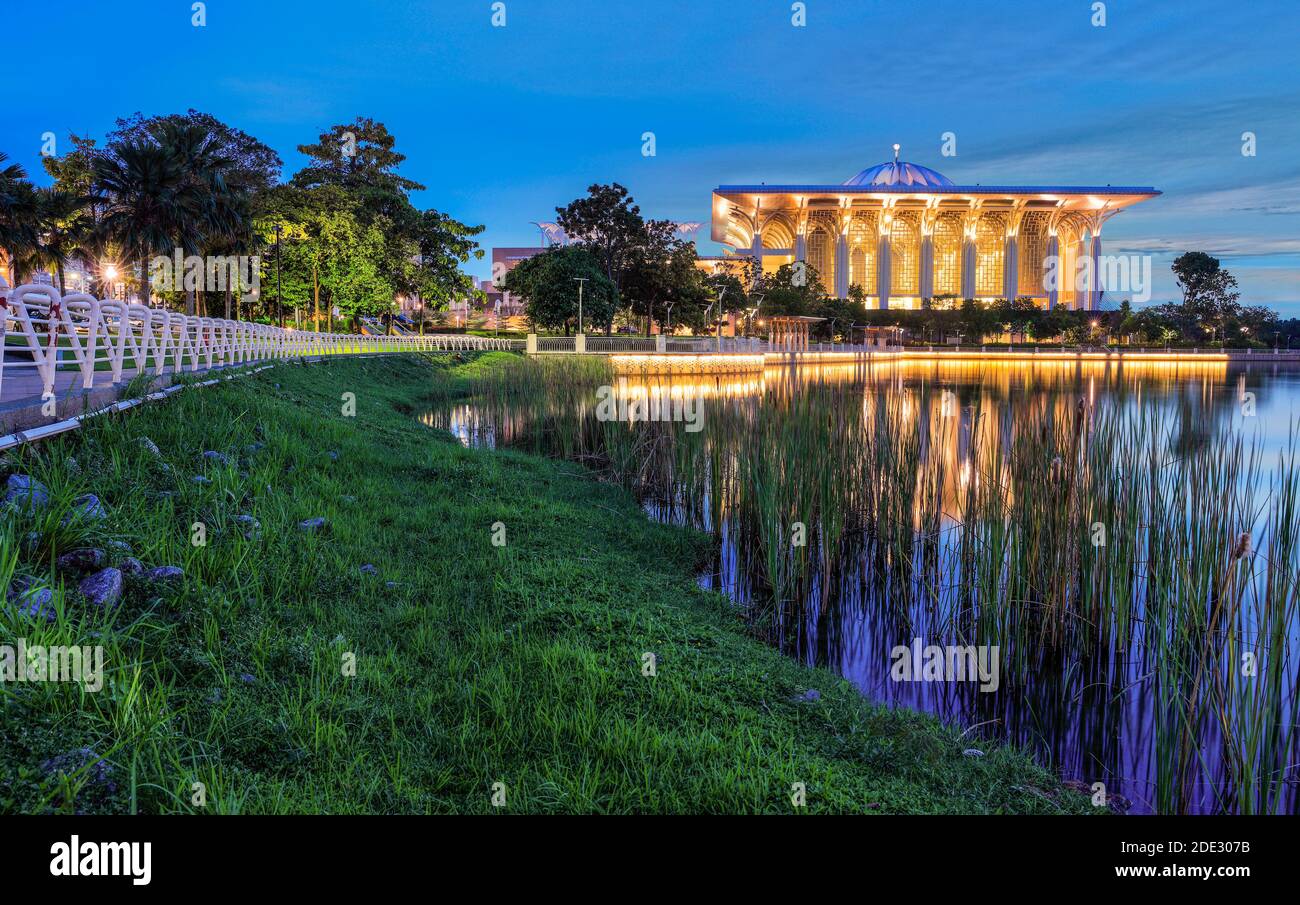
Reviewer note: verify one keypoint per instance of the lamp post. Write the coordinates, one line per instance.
(581, 281)
(279, 301)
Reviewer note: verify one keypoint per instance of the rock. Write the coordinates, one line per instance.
(972, 752)
(31, 600)
(131, 566)
(26, 492)
(333, 454)
(247, 678)
(85, 559)
(165, 574)
(219, 458)
(201, 480)
(104, 588)
(118, 546)
(312, 524)
(249, 525)
(99, 771)
(87, 508)
(368, 569)
(150, 447)
(812, 694)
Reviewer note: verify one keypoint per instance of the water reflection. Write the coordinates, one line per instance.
(957, 503)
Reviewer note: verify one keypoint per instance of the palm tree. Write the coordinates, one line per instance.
(148, 203)
(65, 229)
(201, 159)
(17, 214)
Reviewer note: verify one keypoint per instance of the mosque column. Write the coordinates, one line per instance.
(756, 249)
(801, 247)
(1011, 271)
(968, 261)
(927, 266)
(1094, 296)
(842, 266)
(1057, 272)
(882, 271)
(1082, 279)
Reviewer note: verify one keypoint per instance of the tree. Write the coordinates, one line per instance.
(547, 284)
(17, 214)
(1209, 292)
(359, 158)
(149, 202)
(609, 225)
(65, 231)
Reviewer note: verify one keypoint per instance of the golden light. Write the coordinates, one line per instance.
(110, 272)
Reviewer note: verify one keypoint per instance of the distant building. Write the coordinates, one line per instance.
(904, 233)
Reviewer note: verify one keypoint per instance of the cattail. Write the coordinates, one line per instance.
(1243, 547)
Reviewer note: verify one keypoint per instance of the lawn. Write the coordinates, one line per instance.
(396, 659)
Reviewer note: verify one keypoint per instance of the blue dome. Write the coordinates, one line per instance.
(900, 173)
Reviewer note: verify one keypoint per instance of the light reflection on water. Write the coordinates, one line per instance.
(1090, 718)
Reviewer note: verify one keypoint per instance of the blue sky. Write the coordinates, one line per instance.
(503, 124)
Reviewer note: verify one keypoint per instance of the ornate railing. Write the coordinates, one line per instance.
(102, 338)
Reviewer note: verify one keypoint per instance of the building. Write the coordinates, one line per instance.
(904, 233)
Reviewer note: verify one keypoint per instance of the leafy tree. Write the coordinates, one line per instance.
(65, 231)
(546, 282)
(609, 225)
(17, 210)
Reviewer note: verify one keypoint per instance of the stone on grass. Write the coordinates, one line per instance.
(104, 588)
(87, 508)
(213, 456)
(368, 569)
(119, 546)
(85, 761)
(150, 447)
(86, 559)
(30, 600)
(312, 524)
(131, 566)
(201, 480)
(254, 448)
(973, 752)
(249, 525)
(812, 694)
(26, 492)
(333, 454)
(165, 574)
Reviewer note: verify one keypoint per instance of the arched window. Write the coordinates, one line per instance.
(862, 252)
(777, 233)
(1033, 251)
(904, 254)
(947, 254)
(821, 255)
(990, 248)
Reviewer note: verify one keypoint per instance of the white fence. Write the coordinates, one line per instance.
(103, 338)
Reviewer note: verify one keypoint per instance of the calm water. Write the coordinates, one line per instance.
(1094, 711)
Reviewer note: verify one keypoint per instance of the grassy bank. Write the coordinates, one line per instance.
(476, 664)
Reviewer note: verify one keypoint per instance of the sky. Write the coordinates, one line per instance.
(503, 123)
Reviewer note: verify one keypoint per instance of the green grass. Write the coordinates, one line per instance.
(480, 664)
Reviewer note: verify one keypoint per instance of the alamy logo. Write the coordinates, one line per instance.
(953, 663)
(625, 404)
(102, 859)
(1113, 273)
(25, 662)
(213, 273)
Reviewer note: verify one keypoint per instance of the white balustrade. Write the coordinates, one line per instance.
(103, 338)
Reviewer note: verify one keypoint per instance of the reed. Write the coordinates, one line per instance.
(1110, 552)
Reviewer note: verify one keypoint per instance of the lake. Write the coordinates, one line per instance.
(1096, 561)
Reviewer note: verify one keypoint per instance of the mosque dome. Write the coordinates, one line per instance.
(899, 174)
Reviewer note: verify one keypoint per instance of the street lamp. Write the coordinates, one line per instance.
(279, 301)
(582, 282)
